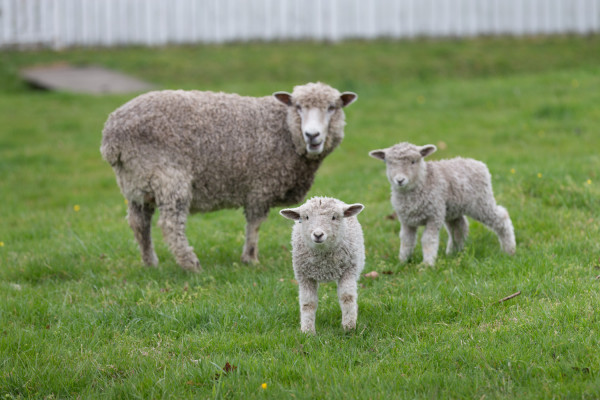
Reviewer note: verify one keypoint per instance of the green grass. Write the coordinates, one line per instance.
(80, 317)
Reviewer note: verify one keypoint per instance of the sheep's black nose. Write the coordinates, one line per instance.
(400, 181)
(318, 235)
(312, 136)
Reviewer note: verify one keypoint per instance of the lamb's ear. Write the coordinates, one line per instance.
(378, 154)
(427, 150)
(348, 98)
(353, 209)
(290, 213)
(283, 97)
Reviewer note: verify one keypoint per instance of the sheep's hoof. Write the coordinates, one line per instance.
(309, 331)
(247, 259)
(151, 262)
(349, 326)
(192, 265)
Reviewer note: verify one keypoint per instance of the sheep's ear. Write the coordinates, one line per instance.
(348, 98)
(283, 97)
(353, 209)
(427, 150)
(290, 213)
(378, 154)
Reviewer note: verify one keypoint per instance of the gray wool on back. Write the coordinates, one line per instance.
(193, 151)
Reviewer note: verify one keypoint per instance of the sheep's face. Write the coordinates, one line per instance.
(405, 164)
(322, 220)
(312, 110)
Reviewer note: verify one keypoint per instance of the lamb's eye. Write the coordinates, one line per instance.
(306, 217)
(298, 107)
(333, 218)
(413, 161)
(331, 109)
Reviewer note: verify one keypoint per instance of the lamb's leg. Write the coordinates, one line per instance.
(253, 222)
(347, 295)
(408, 240)
(458, 230)
(498, 220)
(140, 221)
(172, 222)
(309, 300)
(430, 243)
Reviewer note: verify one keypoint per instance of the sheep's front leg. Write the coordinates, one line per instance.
(347, 295)
(309, 300)
(250, 251)
(408, 240)
(430, 242)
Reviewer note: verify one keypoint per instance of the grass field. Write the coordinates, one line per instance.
(80, 317)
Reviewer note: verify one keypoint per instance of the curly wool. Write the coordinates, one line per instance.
(441, 193)
(193, 151)
(345, 256)
(340, 257)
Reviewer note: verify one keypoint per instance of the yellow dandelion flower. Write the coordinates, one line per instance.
(264, 386)
(76, 208)
(512, 171)
(421, 99)
(1, 244)
(589, 182)
(539, 175)
(126, 202)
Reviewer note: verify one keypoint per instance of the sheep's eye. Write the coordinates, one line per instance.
(298, 107)
(413, 161)
(331, 108)
(306, 217)
(333, 218)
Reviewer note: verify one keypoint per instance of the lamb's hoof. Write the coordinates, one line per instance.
(309, 331)
(350, 326)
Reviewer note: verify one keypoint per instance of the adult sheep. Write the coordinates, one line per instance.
(191, 151)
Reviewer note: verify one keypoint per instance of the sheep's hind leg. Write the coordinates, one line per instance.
(458, 230)
(250, 251)
(499, 221)
(172, 221)
(140, 221)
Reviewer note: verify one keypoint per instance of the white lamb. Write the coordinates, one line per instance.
(327, 245)
(440, 193)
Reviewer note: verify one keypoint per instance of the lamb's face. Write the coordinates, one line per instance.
(312, 109)
(405, 164)
(322, 220)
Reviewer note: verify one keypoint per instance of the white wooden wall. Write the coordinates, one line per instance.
(64, 23)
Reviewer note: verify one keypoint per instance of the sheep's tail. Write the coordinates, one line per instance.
(110, 150)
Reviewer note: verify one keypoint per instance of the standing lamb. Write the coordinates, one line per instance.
(190, 151)
(327, 245)
(440, 193)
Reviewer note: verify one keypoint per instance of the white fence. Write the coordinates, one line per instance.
(63, 23)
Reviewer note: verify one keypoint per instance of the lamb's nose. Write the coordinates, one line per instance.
(312, 136)
(318, 235)
(400, 181)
